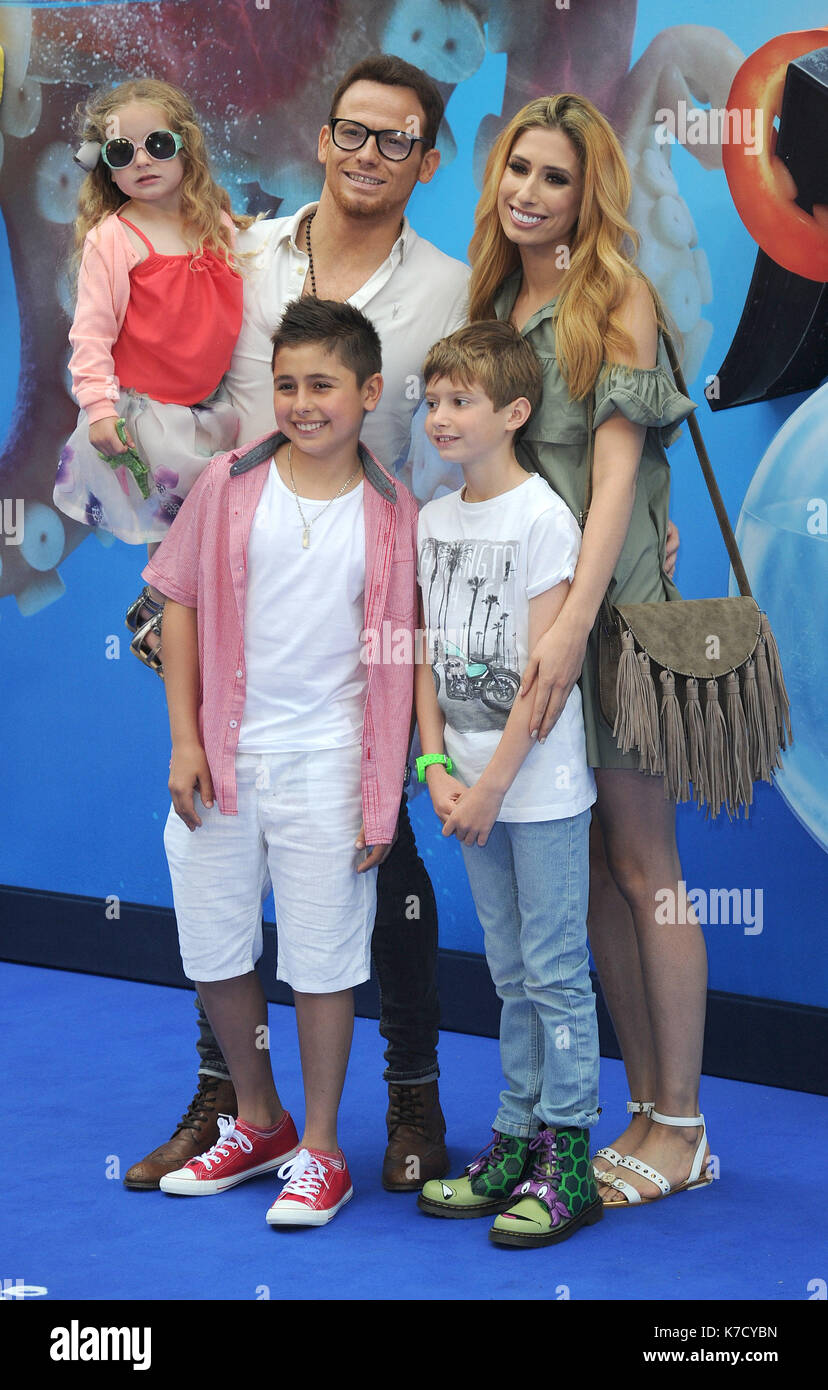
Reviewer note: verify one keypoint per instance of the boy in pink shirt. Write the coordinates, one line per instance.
(289, 739)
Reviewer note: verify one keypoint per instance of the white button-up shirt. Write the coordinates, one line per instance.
(416, 296)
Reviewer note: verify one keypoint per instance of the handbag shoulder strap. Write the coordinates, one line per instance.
(706, 467)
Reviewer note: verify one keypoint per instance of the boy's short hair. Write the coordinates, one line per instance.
(491, 355)
(337, 327)
(391, 71)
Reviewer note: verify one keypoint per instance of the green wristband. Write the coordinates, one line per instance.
(428, 758)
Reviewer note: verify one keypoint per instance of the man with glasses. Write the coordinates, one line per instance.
(356, 244)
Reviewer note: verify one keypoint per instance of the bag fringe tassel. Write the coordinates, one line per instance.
(715, 752)
(676, 767)
(627, 729)
(737, 743)
(780, 694)
(757, 748)
(770, 724)
(694, 733)
(650, 759)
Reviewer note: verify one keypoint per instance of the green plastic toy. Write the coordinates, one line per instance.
(130, 459)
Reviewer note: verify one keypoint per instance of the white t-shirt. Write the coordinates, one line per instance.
(417, 295)
(479, 565)
(306, 684)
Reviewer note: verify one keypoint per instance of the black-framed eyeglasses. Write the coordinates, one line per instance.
(392, 144)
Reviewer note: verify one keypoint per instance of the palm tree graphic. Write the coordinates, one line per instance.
(489, 600)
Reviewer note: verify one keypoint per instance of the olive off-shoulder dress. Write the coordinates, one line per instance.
(555, 443)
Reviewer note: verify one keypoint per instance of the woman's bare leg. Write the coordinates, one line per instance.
(638, 826)
(614, 948)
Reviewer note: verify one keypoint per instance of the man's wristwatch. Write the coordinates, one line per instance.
(428, 758)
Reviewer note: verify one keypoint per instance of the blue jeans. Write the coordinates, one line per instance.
(530, 885)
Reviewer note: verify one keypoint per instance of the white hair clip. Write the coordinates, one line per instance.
(88, 155)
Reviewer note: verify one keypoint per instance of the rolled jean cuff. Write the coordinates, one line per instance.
(410, 1078)
(215, 1070)
(585, 1120)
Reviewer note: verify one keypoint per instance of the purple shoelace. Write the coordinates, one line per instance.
(544, 1183)
(492, 1154)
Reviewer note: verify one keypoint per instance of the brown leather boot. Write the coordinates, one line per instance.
(197, 1132)
(416, 1138)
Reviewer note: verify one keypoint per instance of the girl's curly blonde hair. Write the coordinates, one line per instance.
(202, 200)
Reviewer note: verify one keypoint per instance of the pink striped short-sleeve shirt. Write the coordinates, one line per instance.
(202, 563)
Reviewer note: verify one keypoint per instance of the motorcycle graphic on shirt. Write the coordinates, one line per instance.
(495, 686)
(469, 598)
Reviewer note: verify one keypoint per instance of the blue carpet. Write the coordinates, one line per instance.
(97, 1072)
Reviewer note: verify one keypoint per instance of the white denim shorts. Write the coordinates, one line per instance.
(298, 817)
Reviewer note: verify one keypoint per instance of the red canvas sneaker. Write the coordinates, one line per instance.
(241, 1153)
(317, 1186)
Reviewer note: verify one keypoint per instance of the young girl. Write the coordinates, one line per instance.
(158, 312)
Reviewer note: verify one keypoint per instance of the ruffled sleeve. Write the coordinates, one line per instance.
(646, 395)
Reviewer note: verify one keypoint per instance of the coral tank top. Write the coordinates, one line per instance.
(181, 325)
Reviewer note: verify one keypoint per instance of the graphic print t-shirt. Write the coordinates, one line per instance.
(479, 564)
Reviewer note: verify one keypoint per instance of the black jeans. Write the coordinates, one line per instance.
(404, 950)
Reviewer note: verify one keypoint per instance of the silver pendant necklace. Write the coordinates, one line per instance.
(306, 525)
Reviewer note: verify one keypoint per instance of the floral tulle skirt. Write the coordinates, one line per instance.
(174, 442)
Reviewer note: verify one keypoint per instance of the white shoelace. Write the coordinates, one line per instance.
(305, 1176)
(229, 1138)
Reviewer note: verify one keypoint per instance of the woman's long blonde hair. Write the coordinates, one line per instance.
(587, 328)
(202, 200)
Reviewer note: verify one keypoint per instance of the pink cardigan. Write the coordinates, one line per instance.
(202, 563)
(103, 296)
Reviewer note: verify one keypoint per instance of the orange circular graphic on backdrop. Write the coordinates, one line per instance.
(761, 187)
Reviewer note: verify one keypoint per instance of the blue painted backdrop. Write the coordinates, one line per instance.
(85, 742)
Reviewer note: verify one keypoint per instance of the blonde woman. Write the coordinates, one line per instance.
(159, 307)
(552, 252)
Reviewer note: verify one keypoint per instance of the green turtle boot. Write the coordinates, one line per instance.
(486, 1186)
(557, 1196)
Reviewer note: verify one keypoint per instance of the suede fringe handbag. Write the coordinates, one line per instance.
(654, 660)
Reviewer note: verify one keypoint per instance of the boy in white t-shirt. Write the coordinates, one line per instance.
(289, 740)
(495, 561)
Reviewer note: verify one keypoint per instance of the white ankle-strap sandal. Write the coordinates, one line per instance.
(634, 1107)
(696, 1178)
